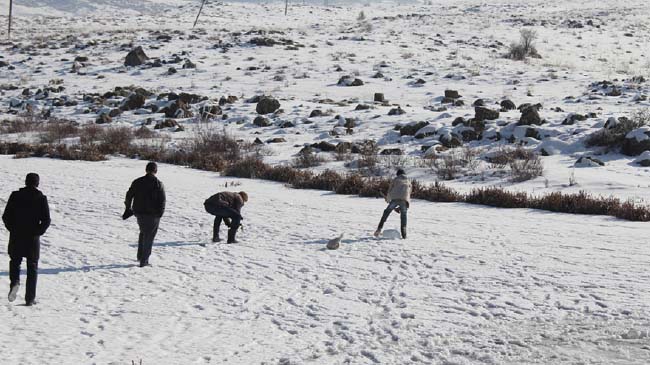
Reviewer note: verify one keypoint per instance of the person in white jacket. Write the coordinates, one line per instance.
(398, 199)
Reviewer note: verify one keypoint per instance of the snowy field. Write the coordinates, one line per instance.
(471, 285)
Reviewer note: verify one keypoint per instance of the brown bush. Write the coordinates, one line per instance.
(55, 130)
(327, 180)
(20, 125)
(143, 132)
(307, 158)
(351, 184)
(437, 192)
(633, 212)
(375, 187)
(285, 174)
(580, 203)
(527, 168)
(115, 140)
(90, 133)
(249, 167)
(497, 197)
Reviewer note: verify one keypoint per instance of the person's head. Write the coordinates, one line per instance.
(244, 196)
(400, 172)
(32, 180)
(151, 168)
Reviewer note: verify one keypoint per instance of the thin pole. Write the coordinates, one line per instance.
(199, 14)
(11, 3)
(286, 6)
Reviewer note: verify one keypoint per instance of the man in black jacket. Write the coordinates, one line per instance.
(147, 195)
(226, 206)
(27, 217)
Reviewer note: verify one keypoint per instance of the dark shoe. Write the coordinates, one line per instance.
(403, 232)
(233, 241)
(144, 263)
(216, 239)
(30, 303)
(13, 292)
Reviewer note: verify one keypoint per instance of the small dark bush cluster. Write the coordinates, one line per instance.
(613, 138)
(63, 152)
(497, 197)
(20, 125)
(437, 192)
(307, 158)
(55, 130)
(525, 48)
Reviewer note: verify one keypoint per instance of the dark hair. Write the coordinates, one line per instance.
(32, 179)
(400, 172)
(151, 167)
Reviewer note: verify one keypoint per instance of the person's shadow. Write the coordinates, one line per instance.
(87, 268)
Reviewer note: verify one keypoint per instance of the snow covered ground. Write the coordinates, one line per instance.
(471, 285)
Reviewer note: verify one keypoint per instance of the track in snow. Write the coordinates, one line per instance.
(471, 285)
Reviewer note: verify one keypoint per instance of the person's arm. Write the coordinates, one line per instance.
(162, 199)
(45, 217)
(8, 215)
(129, 196)
(390, 188)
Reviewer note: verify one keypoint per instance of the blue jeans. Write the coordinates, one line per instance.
(403, 207)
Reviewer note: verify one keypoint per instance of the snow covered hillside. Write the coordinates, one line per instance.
(471, 285)
(424, 82)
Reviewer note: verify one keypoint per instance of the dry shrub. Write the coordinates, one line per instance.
(375, 187)
(115, 139)
(90, 133)
(368, 156)
(55, 130)
(633, 212)
(143, 133)
(211, 142)
(447, 166)
(351, 184)
(21, 124)
(526, 46)
(284, 174)
(527, 168)
(327, 180)
(307, 158)
(249, 167)
(437, 192)
(81, 152)
(497, 197)
(579, 203)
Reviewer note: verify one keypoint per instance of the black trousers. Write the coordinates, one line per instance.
(29, 247)
(32, 275)
(219, 214)
(148, 228)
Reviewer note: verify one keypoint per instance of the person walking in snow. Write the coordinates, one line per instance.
(226, 206)
(398, 199)
(146, 200)
(27, 217)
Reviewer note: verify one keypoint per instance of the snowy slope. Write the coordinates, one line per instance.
(471, 285)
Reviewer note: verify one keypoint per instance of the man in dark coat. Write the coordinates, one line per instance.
(226, 206)
(27, 217)
(146, 200)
